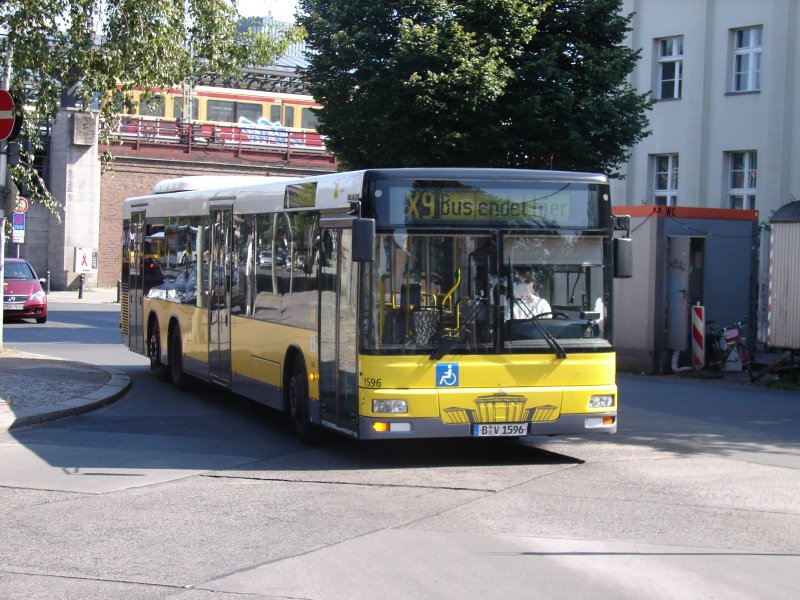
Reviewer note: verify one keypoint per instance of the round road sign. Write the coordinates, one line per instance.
(6, 114)
(22, 205)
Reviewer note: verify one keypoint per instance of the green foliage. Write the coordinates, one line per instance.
(107, 47)
(503, 83)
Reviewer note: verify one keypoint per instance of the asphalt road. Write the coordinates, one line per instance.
(203, 495)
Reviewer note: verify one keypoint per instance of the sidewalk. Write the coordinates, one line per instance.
(90, 296)
(36, 388)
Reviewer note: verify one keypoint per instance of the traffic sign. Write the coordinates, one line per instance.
(18, 228)
(6, 114)
(22, 205)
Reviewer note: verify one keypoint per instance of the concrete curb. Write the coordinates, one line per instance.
(118, 384)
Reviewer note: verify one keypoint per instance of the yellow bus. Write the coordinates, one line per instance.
(385, 303)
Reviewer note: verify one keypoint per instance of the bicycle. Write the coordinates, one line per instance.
(720, 343)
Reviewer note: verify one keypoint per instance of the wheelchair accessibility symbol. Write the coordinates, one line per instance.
(446, 375)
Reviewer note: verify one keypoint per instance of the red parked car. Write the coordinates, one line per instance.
(23, 296)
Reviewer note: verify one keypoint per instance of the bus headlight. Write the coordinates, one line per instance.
(389, 406)
(601, 401)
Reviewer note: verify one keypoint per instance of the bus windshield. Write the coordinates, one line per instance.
(497, 292)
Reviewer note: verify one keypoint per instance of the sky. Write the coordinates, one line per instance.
(282, 10)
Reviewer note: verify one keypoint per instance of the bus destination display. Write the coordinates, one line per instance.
(425, 204)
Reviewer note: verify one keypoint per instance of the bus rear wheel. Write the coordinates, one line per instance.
(299, 422)
(154, 353)
(176, 373)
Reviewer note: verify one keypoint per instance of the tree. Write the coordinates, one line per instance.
(571, 106)
(503, 83)
(98, 50)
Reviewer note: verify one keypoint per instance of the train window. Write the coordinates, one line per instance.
(283, 115)
(231, 112)
(275, 113)
(220, 110)
(308, 120)
(251, 112)
(177, 107)
(152, 108)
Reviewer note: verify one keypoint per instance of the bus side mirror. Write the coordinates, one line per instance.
(623, 258)
(364, 240)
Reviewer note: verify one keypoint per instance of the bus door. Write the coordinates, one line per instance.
(219, 296)
(338, 330)
(136, 282)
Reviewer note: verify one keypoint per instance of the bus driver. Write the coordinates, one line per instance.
(526, 301)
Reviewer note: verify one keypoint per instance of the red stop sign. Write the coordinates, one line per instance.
(6, 114)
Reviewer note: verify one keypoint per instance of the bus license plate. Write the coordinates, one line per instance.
(13, 306)
(499, 429)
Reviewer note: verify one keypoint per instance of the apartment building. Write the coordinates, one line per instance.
(726, 119)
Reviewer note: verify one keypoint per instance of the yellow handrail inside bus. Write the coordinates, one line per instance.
(448, 297)
(381, 312)
(424, 295)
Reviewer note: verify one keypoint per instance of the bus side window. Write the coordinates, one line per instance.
(242, 278)
(266, 304)
(299, 287)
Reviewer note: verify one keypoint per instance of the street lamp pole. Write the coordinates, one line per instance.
(5, 187)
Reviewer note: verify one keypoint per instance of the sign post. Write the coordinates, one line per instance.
(6, 116)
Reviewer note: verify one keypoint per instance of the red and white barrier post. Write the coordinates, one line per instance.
(698, 336)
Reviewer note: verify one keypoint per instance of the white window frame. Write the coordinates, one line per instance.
(665, 179)
(742, 179)
(670, 54)
(746, 59)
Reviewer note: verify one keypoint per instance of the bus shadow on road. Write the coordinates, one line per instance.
(330, 448)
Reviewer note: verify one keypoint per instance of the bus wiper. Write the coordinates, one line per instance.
(447, 339)
(557, 348)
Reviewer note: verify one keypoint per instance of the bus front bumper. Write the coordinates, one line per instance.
(371, 428)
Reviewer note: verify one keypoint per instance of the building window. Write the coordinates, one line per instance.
(665, 179)
(670, 68)
(747, 59)
(742, 169)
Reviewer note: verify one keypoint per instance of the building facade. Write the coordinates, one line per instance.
(726, 116)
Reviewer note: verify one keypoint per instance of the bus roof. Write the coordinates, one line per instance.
(185, 196)
(486, 173)
(208, 182)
